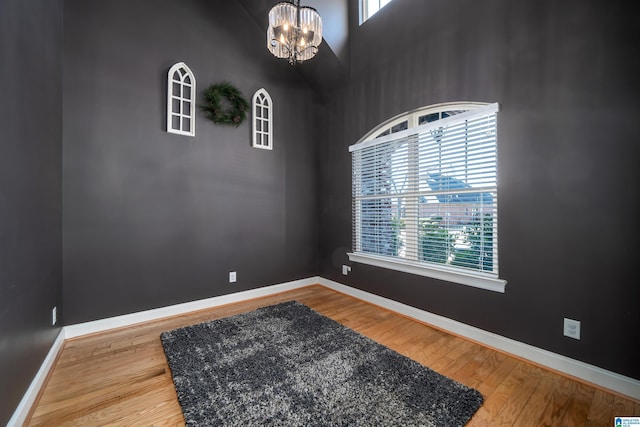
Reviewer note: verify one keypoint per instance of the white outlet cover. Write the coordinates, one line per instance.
(54, 316)
(572, 328)
(232, 277)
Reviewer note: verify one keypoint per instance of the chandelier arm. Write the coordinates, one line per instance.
(312, 47)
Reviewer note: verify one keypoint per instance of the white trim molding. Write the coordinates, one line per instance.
(442, 272)
(575, 368)
(22, 411)
(592, 374)
(102, 325)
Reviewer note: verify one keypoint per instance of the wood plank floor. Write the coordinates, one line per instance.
(121, 377)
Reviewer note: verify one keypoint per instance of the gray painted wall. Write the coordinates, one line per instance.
(151, 218)
(565, 75)
(30, 190)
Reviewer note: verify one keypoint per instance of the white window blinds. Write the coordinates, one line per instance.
(428, 195)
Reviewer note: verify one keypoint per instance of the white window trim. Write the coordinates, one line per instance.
(191, 114)
(257, 141)
(444, 272)
(478, 279)
(413, 115)
(365, 13)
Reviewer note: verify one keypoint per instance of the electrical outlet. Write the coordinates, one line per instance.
(232, 277)
(572, 328)
(346, 269)
(54, 316)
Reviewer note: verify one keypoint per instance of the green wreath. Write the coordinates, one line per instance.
(231, 116)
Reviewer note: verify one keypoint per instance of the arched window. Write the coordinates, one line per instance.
(262, 120)
(181, 100)
(425, 194)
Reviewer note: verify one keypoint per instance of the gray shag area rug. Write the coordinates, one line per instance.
(287, 365)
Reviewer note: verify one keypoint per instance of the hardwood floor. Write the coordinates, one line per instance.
(121, 377)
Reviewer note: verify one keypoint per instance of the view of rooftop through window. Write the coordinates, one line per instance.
(370, 7)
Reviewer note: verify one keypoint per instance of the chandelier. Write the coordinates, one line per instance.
(294, 32)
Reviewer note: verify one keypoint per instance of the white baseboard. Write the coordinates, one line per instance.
(22, 411)
(575, 368)
(187, 307)
(592, 374)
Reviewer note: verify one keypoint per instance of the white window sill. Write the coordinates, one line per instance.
(477, 280)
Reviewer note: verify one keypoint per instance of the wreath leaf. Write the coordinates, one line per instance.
(213, 96)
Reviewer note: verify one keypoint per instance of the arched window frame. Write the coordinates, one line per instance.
(393, 225)
(413, 117)
(262, 128)
(181, 90)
